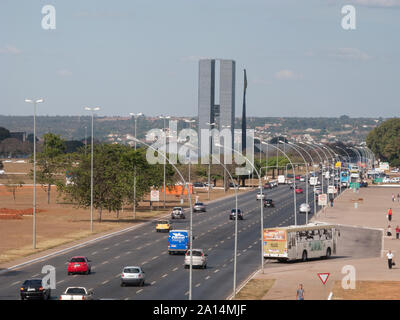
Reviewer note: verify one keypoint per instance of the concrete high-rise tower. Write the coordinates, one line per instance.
(217, 107)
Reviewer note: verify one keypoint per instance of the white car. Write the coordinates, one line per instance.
(304, 208)
(2, 172)
(132, 275)
(77, 293)
(199, 259)
(260, 196)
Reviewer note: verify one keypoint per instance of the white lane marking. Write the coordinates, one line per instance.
(14, 283)
(164, 275)
(105, 262)
(145, 262)
(216, 271)
(129, 252)
(208, 277)
(174, 269)
(153, 282)
(154, 258)
(93, 253)
(106, 248)
(60, 281)
(140, 290)
(104, 282)
(117, 257)
(330, 296)
(198, 285)
(116, 245)
(118, 275)
(35, 275)
(186, 293)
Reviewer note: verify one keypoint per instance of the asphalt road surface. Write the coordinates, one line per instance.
(166, 277)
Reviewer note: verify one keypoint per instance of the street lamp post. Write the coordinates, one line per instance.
(91, 169)
(209, 163)
(165, 158)
(35, 102)
(135, 116)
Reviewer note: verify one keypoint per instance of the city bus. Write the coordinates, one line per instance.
(302, 242)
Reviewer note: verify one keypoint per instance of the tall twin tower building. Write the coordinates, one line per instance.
(216, 106)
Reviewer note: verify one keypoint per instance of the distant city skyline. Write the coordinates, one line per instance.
(140, 56)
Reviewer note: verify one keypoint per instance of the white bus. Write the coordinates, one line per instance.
(313, 240)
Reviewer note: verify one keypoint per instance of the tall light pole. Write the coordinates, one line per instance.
(190, 159)
(165, 190)
(209, 163)
(91, 168)
(35, 102)
(134, 116)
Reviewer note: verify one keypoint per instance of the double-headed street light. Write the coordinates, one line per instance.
(35, 102)
(135, 116)
(92, 110)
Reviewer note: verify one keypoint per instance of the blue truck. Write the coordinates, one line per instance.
(178, 241)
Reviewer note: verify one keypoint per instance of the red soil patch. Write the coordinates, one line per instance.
(6, 213)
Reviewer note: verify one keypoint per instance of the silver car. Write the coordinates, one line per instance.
(132, 276)
(178, 213)
(199, 206)
(199, 259)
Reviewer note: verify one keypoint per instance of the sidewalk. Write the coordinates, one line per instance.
(373, 204)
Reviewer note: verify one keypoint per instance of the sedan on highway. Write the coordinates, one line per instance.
(232, 215)
(199, 206)
(33, 289)
(299, 190)
(79, 264)
(260, 196)
(163, 226)
(304, 208)
(178, 213)
(199, 259)
(132, 275)
(269, 203)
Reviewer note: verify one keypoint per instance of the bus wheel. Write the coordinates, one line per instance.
(328, 253)
(304, 256)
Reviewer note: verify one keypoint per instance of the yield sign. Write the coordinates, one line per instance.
(323, 276)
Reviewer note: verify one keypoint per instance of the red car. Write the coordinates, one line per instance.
(299, 190)
(79, 264)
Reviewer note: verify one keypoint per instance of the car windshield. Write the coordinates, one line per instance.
(78, 260)
(195, 253)
(162, 222)
(75, 291)
(131, 270)
(33, 283)
(177, 208)
(199, 204)
(234, 210)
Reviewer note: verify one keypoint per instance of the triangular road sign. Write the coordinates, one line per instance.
(323, 276)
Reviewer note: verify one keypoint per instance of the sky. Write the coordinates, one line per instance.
(142, 56)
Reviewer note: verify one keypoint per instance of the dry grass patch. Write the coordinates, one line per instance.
(368, 290)
(255, 289)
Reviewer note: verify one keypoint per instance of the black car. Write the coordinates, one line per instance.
(363, 184)
(198, 185)
(232, 215)
(269, 203)
(33, 289)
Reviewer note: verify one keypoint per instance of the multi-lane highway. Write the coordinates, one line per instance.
(166, 277)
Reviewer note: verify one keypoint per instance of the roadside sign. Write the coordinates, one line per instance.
(154, 195)
(323, 199)
(323, 277)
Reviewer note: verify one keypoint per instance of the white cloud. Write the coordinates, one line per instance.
(350, 54)
(64, 73)
(287, 74)
(10, 49)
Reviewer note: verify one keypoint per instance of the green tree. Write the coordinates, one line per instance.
(384, 141)
(50, 161)
(4, 133)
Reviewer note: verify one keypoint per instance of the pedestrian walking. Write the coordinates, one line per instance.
(398, 197)
(331, 202)
(392, 197)
(397, 232)
(389, 231)
(390, 257)
(390, 212)
(300, 293)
